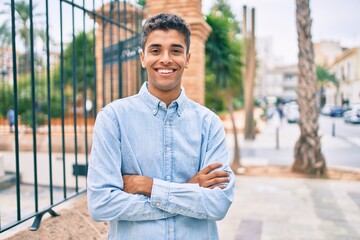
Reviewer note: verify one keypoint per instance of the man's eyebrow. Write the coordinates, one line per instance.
(155, 45)
(177, 45)
(172, 45)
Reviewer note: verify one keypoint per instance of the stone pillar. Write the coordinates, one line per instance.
(194, 77)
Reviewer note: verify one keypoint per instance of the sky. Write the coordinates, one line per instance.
(335, 20)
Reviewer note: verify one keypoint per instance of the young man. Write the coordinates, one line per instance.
(159, 164)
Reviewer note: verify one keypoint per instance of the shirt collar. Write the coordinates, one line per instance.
(154, 103)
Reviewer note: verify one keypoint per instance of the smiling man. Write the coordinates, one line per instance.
(159, 163)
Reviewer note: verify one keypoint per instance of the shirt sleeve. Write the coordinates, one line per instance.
(192, 200)
(106, 200)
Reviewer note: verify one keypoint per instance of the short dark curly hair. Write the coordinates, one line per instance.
(166, 21)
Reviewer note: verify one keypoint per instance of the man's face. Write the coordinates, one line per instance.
(165, 59)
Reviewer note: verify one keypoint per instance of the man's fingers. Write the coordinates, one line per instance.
(210, 168)
(222, 186)
(216, 174)
(215, 181)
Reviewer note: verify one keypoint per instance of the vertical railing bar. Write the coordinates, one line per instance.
(62, 98)
(103, 55)
(34, 105)
(94, 44)
(49, 100)
(85, 88)
(111, 50)
(17, 160)
(74, 90)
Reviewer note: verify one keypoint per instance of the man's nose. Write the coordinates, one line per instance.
(165, 58)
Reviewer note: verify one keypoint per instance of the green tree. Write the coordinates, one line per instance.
(84, 61)
(5, 35)
(307, 152)
(22, 25)
(323, 77)
(223, 62)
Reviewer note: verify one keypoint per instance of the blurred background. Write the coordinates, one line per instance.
(286, 101)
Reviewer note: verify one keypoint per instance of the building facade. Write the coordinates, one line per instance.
(346, 68)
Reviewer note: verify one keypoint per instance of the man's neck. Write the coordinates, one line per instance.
(166, 97)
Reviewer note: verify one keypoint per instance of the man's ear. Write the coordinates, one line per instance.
(142, 55)
(187, 60)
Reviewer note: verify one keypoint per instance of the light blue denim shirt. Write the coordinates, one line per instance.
(140, 135)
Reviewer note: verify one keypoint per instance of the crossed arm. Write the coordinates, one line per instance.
(209, 177)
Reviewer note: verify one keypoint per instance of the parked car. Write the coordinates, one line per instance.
(292, 113)
(326, 109)
(349, 109)
(336, 111)
(352, 116)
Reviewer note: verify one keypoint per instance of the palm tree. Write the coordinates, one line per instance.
(323, 76)
(307, 153)
(5, 36)
(223, 61)
(22, 18)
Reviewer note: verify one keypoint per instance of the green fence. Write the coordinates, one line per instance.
(60, 62)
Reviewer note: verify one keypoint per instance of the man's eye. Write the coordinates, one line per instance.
(154, 51)
(177, 51)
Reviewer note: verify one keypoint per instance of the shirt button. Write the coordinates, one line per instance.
(158, 204)
(167, 122)
(171, 229)
(168, 177)
(168, 149)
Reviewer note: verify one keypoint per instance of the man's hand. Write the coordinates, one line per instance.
(137, 184)
(208, 178)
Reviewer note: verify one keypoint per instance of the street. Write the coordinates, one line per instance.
(347, 131)
(343, 150)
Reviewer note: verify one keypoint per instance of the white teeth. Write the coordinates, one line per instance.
(164, 71)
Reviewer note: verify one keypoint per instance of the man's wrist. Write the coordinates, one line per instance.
(146, 187)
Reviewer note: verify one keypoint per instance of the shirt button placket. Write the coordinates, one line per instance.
(168, 148)
(168, 161)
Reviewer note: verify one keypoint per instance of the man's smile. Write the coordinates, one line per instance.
(165, 71)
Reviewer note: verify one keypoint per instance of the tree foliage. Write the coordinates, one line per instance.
(223, 55)
(83, 60)
(223, 65)
(323, 75)
(22, 26)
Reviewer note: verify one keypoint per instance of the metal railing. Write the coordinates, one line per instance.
(68, 59)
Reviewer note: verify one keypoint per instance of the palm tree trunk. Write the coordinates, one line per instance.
(307, 153)
(249, 129)
(235, 165)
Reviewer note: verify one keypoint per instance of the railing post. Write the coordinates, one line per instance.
(36, 224)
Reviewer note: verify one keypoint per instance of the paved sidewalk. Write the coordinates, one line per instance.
(263, 209)
(283, 209)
